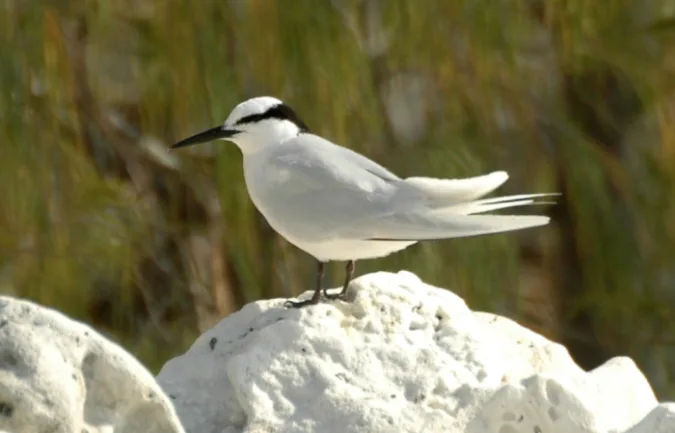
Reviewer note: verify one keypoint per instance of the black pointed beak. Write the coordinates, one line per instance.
(216, 133)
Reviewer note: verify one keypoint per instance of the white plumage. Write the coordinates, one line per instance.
(336, 204)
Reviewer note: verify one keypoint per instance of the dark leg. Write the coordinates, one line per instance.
(317, 290)
(349, 273)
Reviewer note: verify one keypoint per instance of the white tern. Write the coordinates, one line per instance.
(336, 204)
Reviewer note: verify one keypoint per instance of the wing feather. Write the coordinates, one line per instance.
(330, 192)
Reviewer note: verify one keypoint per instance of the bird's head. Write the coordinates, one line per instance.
(253, 125)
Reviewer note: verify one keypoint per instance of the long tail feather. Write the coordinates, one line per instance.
(418, 227)
(490, 204)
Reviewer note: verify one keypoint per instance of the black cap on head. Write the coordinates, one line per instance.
(280, 111)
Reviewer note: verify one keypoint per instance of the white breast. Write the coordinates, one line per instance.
(261, 181)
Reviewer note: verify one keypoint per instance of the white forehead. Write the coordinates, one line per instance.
(251, 106)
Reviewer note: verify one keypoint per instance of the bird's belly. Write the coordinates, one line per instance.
(342, 250)
(333, 249)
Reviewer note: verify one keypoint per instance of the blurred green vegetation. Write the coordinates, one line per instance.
(99, 220)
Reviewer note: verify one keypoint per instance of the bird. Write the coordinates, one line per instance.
(338, 205)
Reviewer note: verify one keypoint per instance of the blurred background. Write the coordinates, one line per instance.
(99, 220)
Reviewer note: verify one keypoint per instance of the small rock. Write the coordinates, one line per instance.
(60, 376)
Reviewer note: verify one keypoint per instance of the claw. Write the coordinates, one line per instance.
(299, 304)
(316, 297)
(342, 295)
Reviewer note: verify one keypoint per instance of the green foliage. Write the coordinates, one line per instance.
(570, 95)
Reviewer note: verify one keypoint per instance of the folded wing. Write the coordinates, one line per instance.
(331, 193)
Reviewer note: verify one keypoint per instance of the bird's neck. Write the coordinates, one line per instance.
(266, 134)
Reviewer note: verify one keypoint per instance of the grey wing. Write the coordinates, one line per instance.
(365, 163)
(322, 192)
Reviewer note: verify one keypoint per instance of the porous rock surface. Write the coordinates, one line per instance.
(402, 357)
(60, 376)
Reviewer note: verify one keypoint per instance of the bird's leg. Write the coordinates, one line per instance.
(328, 295)
(316, 297)
(349, 273)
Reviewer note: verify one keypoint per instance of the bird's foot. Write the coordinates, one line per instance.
(316, 297)
(342, 295)
(299, 304)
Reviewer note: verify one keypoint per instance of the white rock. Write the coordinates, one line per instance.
(402, 357)
(659, 420)
(60, 376)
